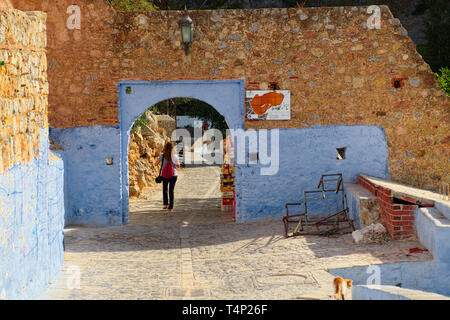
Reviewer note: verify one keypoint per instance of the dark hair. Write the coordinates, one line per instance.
(167, 152)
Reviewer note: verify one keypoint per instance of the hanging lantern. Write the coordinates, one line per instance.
(186, 31)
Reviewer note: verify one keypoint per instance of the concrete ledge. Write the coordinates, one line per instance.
(363, 292)
(444, 207)
(404, 192)
(433, 231)
(363, 206)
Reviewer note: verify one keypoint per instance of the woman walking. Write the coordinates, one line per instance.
(169, 164)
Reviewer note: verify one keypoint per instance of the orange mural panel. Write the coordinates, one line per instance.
(260, 104)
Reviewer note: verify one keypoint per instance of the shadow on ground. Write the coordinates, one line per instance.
(153, 229)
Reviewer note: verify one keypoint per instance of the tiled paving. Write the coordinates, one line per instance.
(200, 253)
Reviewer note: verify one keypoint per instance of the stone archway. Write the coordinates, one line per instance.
(226, 96)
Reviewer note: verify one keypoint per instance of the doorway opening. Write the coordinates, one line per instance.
(198, 133)
(223, 101)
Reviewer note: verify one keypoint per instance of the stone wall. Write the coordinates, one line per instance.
(31, 177)
(5, 4)
(337, 70)
(23, 86)
(167, 123)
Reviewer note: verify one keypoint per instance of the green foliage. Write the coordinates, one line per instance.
(443, 79)
(154, 109)
(421, 8)
(133, 5)
(437, 26)
(202, 110)
(140, 122)
(215, 4)
(237, 4)
(193, 108)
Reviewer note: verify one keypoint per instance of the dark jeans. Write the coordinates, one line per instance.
(171, 183)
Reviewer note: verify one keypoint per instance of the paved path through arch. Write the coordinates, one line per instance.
(200, 253)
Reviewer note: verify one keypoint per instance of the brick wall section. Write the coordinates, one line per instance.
(23, 86)
(337, 70)
(397, 218)
(368, 185)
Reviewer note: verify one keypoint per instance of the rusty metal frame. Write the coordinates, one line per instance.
(305, 222)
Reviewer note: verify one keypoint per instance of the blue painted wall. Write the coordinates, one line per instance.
(31, 224)
(363, 292)
(354, 209)
(431, 276)
(443, 207)
(434, 233)
(93, 188)
(306, 154)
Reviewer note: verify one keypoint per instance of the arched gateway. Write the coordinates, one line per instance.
(135, 97)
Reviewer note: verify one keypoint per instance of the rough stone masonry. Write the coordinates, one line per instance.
(338, 71)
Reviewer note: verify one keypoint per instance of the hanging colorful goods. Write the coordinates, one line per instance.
(227, 187)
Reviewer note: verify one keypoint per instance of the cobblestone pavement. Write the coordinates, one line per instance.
(200, 253)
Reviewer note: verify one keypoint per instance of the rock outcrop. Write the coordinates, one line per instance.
(166, 122)
(146, 144)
